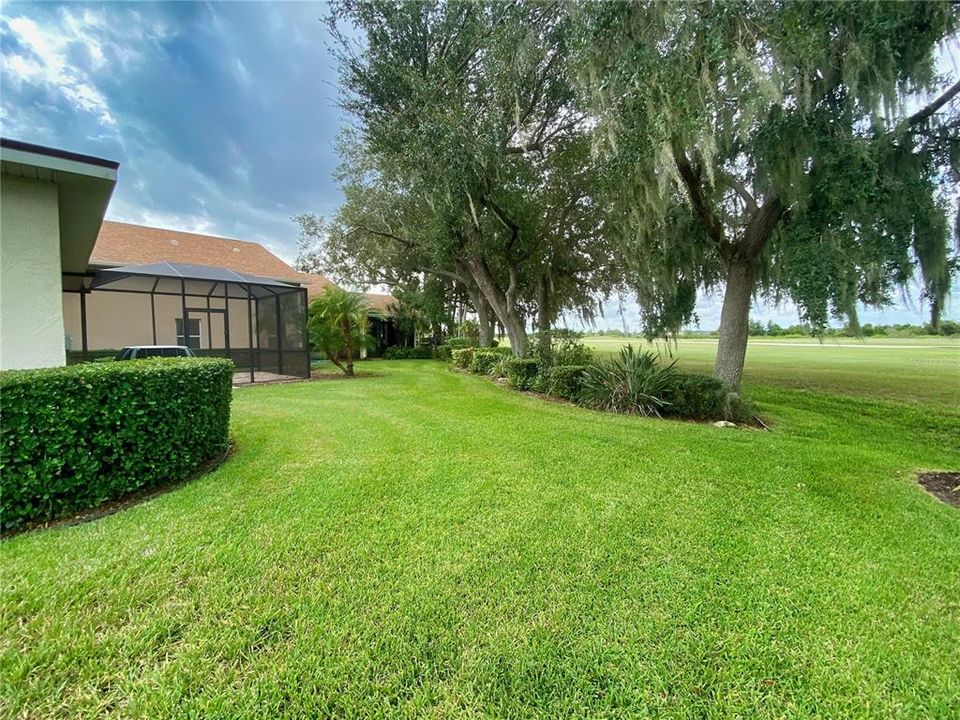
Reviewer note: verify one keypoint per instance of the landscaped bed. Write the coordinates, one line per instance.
(427, 543)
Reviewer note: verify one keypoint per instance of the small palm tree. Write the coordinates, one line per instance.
(337, 322)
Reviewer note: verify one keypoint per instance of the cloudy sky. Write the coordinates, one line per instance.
(223, 117)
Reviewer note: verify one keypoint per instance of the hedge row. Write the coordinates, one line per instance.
(683, 395)
(420, 352)
(73, 437)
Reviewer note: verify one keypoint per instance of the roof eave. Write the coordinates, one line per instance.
(84, 186)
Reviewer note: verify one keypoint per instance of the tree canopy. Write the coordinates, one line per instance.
(768, 146)
(475, 160)
(536, 157)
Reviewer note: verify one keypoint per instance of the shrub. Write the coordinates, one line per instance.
(469, 330)
(696, 396)
(458, 343)
(443, 352)
(561, 347)
(421, 352)
(521, 372)
(75, 436)
(632, 383)
(539, 381)
(499, 369)
(564, 381)
(701, 397)
(462, 358)
(484, 359)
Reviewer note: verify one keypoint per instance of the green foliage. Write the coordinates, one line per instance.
(74, 437)
(469, 157)
(462, 358)
(485, 359)
(500, 367)
(337, 324)
(539, 382)
(700, 397)
(950, 327)
(564, 381)
(776, 139)
(521, 372)
(443, 352)
(469, 332)
(561, 346)
(633, 383)
(420, 352)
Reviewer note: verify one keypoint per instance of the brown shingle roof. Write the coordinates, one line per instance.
(315, 284)
(380, 303)
(125, 244)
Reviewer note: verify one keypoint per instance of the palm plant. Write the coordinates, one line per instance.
(337, 323)
(634, 383)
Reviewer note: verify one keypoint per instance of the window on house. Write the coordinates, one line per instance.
(193, 333)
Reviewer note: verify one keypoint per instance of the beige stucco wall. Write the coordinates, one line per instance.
(115, 320)
(31, 316)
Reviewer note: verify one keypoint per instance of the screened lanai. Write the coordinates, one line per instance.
(259, 323)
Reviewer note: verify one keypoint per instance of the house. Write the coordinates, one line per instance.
(75, 286)
(122, 244)
(51, 205)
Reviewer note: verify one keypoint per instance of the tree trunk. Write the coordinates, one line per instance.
(741, 275)
(502, 305)
(348, 343)
(484, 321)
(544, 349)
(735, 322)
(332, 357)
(935, 311)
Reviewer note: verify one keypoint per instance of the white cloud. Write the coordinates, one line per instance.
(47, 64)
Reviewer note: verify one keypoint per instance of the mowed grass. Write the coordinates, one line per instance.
(922, 370)
(428, 544)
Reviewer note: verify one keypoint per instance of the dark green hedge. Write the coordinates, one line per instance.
(443, 352)
(521, 372)
(461, 358)
(73, 437)
(421, 352)
(563, 381)
(484, 359)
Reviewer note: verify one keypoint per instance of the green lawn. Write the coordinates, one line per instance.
(426, 543)
(915, 370)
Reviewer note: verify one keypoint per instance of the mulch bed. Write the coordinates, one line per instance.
(944, 486)
(109, 507)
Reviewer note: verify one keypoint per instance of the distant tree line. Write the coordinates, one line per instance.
(771, 329)
(522, 160)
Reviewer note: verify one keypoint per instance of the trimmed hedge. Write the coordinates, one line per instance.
(484, 359)
(563, 381)
(462, 358)
(696, 396)
(421, 352)
(703, 397)
(73, 437)
(521, 372)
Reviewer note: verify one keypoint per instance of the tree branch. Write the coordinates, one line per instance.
(691, 180)
(741, 190)
(930, 109)
(380, 233)
(444, 273)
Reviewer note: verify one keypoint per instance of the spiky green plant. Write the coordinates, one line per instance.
(633, 383)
